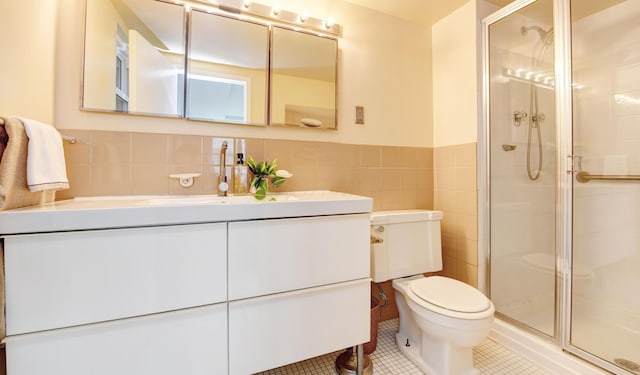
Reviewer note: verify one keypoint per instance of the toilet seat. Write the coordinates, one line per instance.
(449, 297)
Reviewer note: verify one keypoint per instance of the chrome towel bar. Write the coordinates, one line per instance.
(586, 177)
(65, 138)
(68, 138)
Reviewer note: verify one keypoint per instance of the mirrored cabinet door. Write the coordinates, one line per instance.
(303, 79)
(237, 71)
(134, 57)
(227, 79)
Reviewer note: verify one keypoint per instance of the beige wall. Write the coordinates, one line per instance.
(455, 77)
(102, 23)
(28, 54)
(457, 82)
(456, 85)
(456, 195)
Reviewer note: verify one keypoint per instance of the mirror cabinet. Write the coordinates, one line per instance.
(227, 76)
(235, 69)
(303, 79)
(133, 57)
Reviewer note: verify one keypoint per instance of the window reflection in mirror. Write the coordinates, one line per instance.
(227, 79)
(134, 57)
(303, 79)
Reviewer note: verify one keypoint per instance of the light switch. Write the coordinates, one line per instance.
(359, 114)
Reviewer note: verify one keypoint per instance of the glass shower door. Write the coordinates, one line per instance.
(605, 312)
(522, 180)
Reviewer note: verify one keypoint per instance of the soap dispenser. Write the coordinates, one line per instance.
(240, 175)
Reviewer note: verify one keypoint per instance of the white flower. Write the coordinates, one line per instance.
(283, 173)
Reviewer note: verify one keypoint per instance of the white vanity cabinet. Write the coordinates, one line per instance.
(298, 288)
(118, 301)
(189, 341)
(271, 331)
(162, 286)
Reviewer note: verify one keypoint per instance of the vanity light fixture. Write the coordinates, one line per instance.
(275, 14)
(329, 23)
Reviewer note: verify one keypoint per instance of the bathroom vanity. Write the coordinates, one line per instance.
(184, 285)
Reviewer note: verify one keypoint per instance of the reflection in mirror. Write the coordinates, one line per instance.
(134, 57)
(303, 79)
(227, 78)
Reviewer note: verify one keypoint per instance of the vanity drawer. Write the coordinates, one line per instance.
(192, 341)
(271, 256)
(71, 278)
(272, 331)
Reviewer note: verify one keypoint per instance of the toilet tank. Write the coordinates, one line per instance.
(410, 243)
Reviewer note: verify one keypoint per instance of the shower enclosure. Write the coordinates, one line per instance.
(560, 174)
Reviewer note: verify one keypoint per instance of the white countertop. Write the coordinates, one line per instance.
(134, 211)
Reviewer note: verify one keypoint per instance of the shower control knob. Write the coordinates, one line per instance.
(518, 117)
(537, 118)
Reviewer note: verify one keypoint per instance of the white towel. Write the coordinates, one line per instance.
(46, 169)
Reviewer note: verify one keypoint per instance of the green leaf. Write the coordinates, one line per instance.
(262, 190)
(277, 181)
(271, 170)
(255, 182)
(251, 163)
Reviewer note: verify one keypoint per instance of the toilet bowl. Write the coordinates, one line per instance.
(441, 320)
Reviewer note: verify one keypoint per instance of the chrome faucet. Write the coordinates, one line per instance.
(223, 186)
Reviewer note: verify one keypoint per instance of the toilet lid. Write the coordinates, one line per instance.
(450, 294)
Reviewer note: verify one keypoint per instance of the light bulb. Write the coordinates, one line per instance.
(329, 22)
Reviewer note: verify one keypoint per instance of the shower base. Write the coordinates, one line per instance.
(591, 333)
(542, 353)
(610, 341)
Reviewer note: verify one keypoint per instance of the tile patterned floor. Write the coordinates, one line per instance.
(489, 358)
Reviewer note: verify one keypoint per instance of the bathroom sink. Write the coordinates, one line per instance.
(208, 199)
(185, 200)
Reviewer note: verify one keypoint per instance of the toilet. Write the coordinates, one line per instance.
(441, 319)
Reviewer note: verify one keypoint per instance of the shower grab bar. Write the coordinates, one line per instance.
(586, 177)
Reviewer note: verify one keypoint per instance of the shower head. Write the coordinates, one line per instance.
(544, 35)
